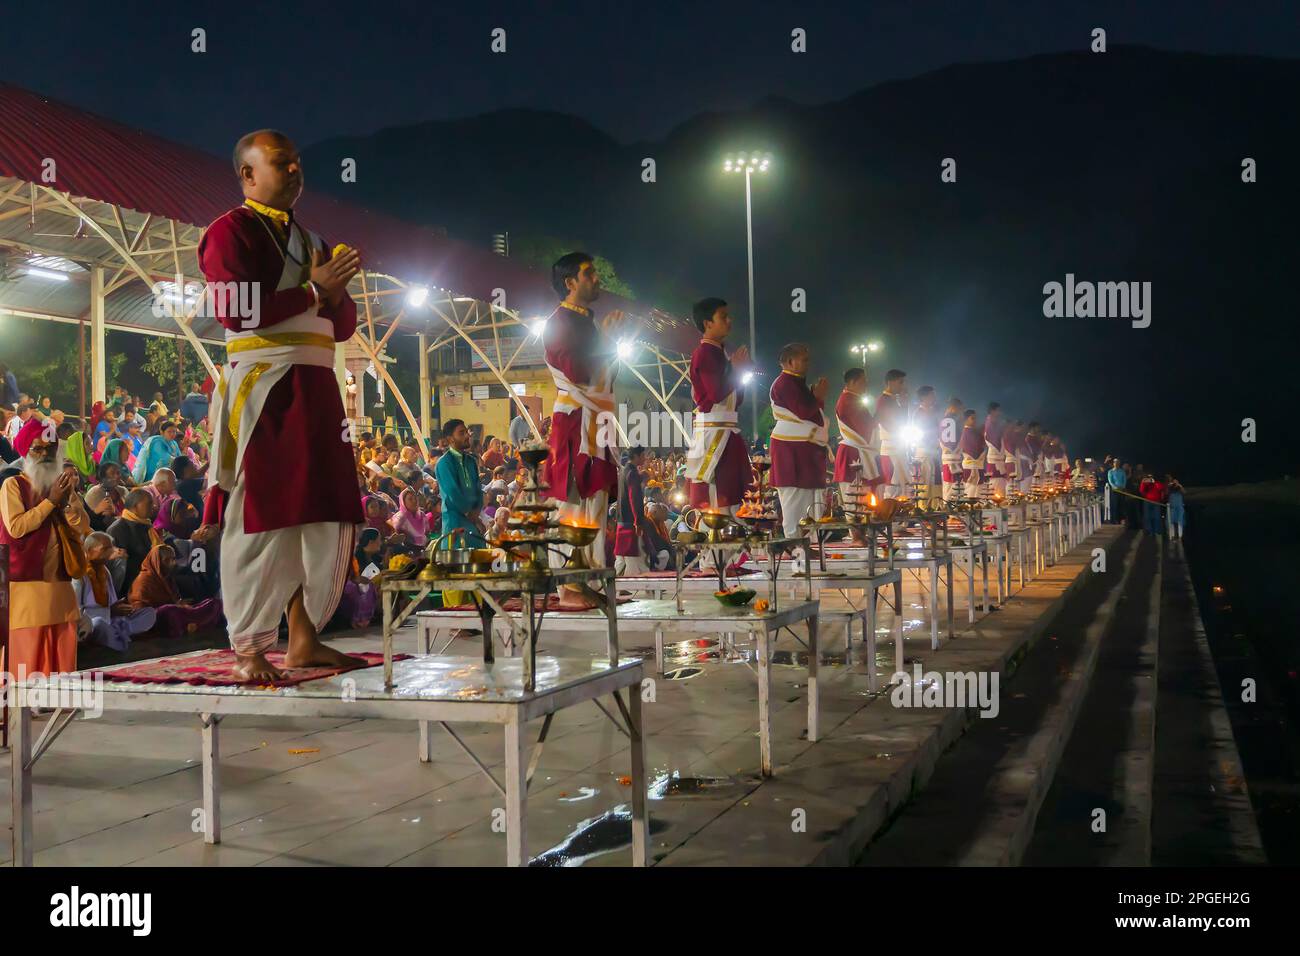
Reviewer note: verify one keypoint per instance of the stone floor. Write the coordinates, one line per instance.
(125, 789)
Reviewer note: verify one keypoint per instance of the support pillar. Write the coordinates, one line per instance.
(423, 409)
(98, 360)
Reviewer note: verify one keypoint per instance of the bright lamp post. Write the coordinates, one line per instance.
(749, 163)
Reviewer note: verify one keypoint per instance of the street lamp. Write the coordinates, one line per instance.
(749, 163)
(864, 347)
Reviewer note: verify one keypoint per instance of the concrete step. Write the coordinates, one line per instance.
(980, 806)
(1098, 810)
(1202, 813)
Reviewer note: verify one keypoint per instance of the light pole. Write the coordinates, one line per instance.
(749, 164)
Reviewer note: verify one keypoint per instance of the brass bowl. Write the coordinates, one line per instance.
(533, 457)
(690, 537)
(886, 509)
(576, 535)
(714, 520)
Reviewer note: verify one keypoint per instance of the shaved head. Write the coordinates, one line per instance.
(269, 168)
(246, 141)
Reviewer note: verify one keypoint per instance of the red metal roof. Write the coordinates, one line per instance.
(102, 160)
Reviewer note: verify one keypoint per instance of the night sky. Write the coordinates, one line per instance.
(645, 66)
(639, 71)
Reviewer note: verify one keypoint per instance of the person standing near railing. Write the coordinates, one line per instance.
(1175, 500)
(1116, 480)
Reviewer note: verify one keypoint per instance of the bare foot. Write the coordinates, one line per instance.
(255, 667)
(572, 600)
(312, 653)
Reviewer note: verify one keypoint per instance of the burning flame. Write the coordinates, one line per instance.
(575, 523)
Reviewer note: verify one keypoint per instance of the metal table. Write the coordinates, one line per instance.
(916, 560)
(698, 616)
(441, 690)
(872, 528)
(863, 612)
(486, 590)
(718, 549)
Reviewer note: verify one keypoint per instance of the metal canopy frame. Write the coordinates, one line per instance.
(126, 253)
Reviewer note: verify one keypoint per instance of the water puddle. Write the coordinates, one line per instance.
(800, 659)
(595, 836)
(673, 784)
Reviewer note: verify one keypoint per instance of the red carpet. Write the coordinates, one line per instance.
(216, 669)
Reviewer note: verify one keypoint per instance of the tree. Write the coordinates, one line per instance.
(160, 362)
(766, 422)
(59, 378)
(542, 251)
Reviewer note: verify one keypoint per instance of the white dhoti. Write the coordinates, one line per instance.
(630, 565)
(974, 471)
(925, 462)
(892, 449)
(261, 572)
(997, 473)
(1025, 468)
(952, 460)
(795, 505)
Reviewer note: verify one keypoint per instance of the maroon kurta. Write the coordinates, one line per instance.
(712, 380)
(797, 464)
(972, 444)
(851, 408)
(1012, 438)
(994, 425)
(298, 466)
(573, 347)
(950, 424)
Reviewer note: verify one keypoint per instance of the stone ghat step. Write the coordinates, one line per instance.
(830, 799)
(981, 806)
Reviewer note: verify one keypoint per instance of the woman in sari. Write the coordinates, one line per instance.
(117, 451)
(77, 451)
(377, 511)
(157, 452)
(105, 430)
(177, 517)
(154, 587)
(410, 521)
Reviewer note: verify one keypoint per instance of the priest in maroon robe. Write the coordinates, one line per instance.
(581, 353)
(974, 454)
(717, 465)
(1012, 439)
(950, 427)
(855, 456)
(994, 466)
(283, 480)
(925, 422)
(1034, 454)
(891, 420)
(799, 439)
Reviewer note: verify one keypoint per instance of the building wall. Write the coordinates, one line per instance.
(492, 414)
